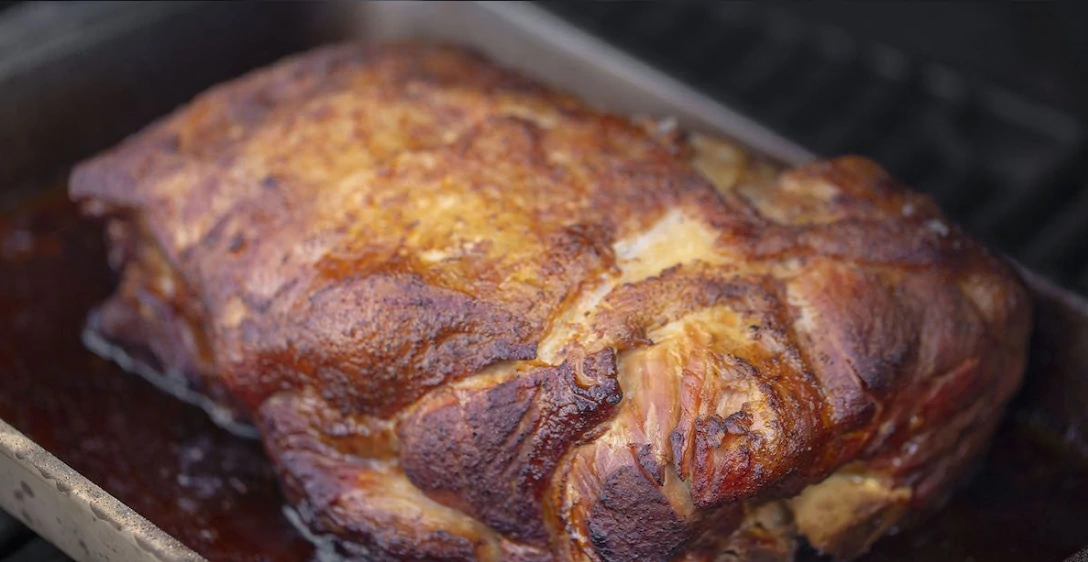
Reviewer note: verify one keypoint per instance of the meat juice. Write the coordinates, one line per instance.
(217, 493)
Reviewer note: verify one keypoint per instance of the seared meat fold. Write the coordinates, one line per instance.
(474, 319)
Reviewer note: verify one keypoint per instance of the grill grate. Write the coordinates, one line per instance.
(1009, 168)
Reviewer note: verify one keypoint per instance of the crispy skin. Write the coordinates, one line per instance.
(475, 319)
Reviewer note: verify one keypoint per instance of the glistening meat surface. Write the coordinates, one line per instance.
(476, 319)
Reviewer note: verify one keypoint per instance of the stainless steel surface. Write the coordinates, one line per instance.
(540, 44)
(73, 512)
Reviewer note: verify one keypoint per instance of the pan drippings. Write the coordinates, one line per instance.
(217, 493)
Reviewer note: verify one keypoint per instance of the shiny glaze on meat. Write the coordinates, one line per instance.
(475, 319)
(217, 493)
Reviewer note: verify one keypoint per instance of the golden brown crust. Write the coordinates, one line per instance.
(476, 319)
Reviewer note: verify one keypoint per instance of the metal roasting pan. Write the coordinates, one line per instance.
(75, 79)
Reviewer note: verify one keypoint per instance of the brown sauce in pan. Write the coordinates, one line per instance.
(217, 493)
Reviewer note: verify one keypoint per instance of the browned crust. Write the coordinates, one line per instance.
(491, 451)
(389, 256)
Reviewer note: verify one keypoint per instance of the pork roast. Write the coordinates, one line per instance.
(472, 318)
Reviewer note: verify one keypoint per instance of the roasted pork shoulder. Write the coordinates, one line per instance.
(473, 318)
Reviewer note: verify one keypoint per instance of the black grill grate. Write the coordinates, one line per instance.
(1009, 168)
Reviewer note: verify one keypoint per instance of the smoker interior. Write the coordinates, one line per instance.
(1007, 165)
(75, 79)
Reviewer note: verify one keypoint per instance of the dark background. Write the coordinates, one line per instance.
(983, 105)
